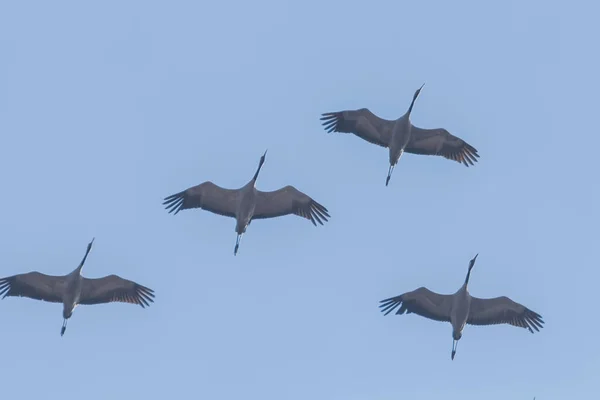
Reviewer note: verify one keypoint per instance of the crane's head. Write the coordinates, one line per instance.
(260, 164)
(472, 262)
(415, 98)
(418, 91)
(262, 158)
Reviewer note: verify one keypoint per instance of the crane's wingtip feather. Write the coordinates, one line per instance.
(329, 115)
(388, 305)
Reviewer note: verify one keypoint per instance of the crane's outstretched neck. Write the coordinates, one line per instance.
(89, 247)
(471, 263)
(412, 103)
(260, 164)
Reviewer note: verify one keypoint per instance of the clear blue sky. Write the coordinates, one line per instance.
(108, 107)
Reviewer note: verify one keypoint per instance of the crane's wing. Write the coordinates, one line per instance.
(288, 200)
(363, 123)
(502, 310)
(439, 142)
(114, 288)
(34, 285)
(422, 302)
(207, 196)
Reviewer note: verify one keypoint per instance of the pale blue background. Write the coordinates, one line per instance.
(108, 107)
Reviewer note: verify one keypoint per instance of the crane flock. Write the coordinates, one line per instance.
(247, 203)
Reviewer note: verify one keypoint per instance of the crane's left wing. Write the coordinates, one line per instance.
(362, 123)
(502, 310)
(114, 288)
(422, 302)
(440, 142)
(206, 196)
(289, 200)
(34, 285)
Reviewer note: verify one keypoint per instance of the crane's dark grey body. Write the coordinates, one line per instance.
(73, 289)
(400, 136)
(247, 203)
(461, 308)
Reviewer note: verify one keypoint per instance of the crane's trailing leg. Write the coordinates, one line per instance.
(454, 347)
(64, 327)
(237, 243)
(393, 161)
(389, 174)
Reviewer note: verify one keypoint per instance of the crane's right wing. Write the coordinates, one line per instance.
(207, 196)
(502, 310)
(289, 200)
(422, 302)
(362, 123)
(440, 142)
(34, 285)
(113, 288)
